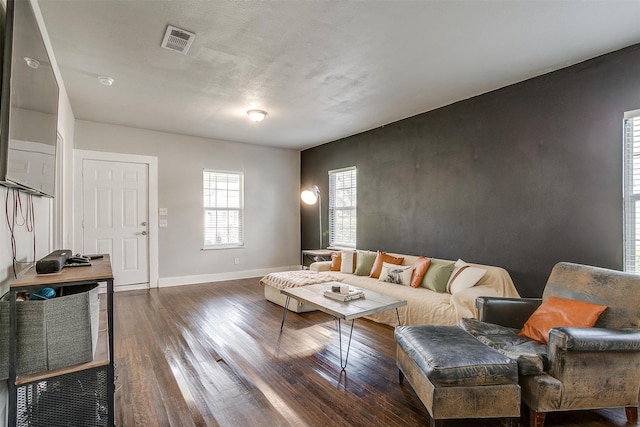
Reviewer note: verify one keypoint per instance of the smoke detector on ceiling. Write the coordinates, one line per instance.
(177, 40)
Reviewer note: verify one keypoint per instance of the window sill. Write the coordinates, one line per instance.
(341, 248)
(218, 247)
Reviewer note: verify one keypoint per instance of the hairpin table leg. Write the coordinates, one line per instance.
(284, 313)
(346, 358)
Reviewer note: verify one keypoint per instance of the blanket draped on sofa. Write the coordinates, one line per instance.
(424, 306)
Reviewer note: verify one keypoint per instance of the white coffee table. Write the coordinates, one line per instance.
(372, 302)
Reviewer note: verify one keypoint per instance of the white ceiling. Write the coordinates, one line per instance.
(322, 69)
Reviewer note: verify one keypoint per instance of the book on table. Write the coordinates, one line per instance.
(353, 294)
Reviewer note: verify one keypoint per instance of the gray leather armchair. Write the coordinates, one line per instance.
(585, 368)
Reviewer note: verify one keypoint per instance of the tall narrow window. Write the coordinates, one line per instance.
(342, 208)
(631, 191)
(223, 204)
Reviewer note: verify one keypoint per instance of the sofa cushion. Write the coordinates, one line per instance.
(457, 267)
(438, 275)
(423, 306)
(364, 262)
(336, 261)
(556, 311)
(420, 267)
(348, 263)
(380, 258)
(464, 276)
(449, 356)
(530, 355)
(398, 274)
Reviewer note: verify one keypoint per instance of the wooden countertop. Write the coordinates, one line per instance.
(100, 269)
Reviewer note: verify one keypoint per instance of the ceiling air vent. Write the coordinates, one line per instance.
(177, 40)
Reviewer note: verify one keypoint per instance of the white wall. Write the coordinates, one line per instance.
(23, 238)
(43, 206)
(272, 207)
(66, 128)
(24, 246)
(272, 222)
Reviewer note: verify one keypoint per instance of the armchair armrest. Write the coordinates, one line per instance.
(595, 339)
(509, 312)
(320, 266)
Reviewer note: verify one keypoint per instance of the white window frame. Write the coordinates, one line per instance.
(339, 205)
(631, 191)
(212, 202)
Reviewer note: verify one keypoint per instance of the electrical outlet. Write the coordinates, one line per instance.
(236, 261)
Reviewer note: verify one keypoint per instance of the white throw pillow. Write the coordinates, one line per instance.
(466, 278)
(347, 261)
(457, 267)
(399, 274)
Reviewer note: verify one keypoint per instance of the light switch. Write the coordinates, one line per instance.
(163, 212)
(163, 223)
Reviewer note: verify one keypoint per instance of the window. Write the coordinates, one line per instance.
(223, 203)
(631, 191)
(342, 207)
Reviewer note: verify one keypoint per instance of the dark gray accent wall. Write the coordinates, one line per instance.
(522, 177)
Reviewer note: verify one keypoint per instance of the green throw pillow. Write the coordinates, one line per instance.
(438, 275)
(364, 262)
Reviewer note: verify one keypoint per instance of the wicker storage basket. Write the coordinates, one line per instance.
(53, 333)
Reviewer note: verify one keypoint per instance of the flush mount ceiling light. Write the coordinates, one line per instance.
(256, 115)
(32, 63)
(106, 81)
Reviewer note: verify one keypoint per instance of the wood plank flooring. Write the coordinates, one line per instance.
(212, 355)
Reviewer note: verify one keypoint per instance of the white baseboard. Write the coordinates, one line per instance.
(218, 277)
(122, 288)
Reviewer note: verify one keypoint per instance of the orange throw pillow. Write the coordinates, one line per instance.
(420, 268)
(380, 258)
(555, 312)
(336, 261)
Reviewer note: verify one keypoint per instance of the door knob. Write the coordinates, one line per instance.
(144, 223)
(144, 233)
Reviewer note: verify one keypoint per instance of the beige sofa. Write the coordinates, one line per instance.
(424, 306)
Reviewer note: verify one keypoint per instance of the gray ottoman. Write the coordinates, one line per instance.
(455, 375)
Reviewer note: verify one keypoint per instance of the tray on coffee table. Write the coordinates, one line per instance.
(372, 302)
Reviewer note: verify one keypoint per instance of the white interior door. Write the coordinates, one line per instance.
(115, 217)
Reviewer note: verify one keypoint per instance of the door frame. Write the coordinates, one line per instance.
(56, 238)
(79, 156)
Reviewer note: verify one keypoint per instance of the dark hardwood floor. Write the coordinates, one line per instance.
(212, 355)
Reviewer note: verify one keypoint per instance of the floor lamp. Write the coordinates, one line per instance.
(310, 197)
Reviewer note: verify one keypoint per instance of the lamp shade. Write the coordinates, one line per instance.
(309, 197)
